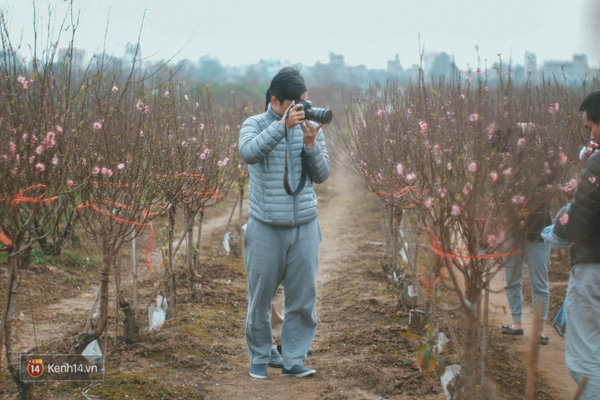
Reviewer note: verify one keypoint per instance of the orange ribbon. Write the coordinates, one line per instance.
(20, 198)
(93, 207)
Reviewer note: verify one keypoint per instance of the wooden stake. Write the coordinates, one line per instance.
(534, 351)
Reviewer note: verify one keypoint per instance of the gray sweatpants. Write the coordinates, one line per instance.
(274, 255)
(582, 309)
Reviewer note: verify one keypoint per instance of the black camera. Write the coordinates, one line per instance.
(319, 115)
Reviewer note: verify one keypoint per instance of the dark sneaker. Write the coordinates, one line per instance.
(544, 340)
(276, 361)
(258, 371)
(298, 371)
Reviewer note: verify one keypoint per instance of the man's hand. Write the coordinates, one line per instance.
(294, 117)
(310, 133)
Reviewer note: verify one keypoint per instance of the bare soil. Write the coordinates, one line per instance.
(361, 349)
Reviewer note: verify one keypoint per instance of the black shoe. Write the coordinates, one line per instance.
(544, 340)
(298, 371)
(507, 330)
(258, 371)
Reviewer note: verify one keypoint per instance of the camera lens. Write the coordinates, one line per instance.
(319, 115)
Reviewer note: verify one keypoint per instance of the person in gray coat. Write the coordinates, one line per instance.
(286, 154)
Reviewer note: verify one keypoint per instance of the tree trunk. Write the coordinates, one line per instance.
(189, 259)
(171, 275)
(86, 338)
(8, 309)
(390, 263)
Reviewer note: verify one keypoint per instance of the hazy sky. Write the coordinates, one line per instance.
(368, 32)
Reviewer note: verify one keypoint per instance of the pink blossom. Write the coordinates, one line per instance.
(473, 166)
(227, 127)
(400, 169)
(556, 106)
(380, 113)
(462, 96)
(202, 156)
(225, 161)
(449, 166)
(97, 125)
(109, 172)
(436, 149)
(455, 210)
(139, 105)
(442, 192)
(104, 170)
(120, 166)
(31, 159)
(21, 79)
(58, 128)
(352, 154)
(83, 161)
(115, 89)
(518, 199)
(207, 151)
(167, 93)
(185, 96)
(40, 167)
(70, 182)
(466, 189)
(592, 179)
(508, 171)
(562, 157)
(564, 219)
(96, 171)
(220, 163)
(478, 70)
(423, 126)
(13, 147)
(486, 89)
(39, 150)
(55, 161)
(201, 126)
(429, 202)
(142, 133)
(551, 110)
(197, 105)
(493, 176)
(473, 117)
(411, 177)
(521, 142)
(491, 128)
(492, 240)
(194, 140)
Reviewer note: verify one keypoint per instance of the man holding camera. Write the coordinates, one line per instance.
(285, 153)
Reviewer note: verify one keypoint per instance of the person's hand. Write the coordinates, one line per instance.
(310, 133)
(294, 116)
(570, 187)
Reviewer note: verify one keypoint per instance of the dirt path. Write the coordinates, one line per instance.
(551, 364)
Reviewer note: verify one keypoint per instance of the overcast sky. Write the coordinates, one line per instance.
(367, 32)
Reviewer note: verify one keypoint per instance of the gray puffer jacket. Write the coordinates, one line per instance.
(262, 146)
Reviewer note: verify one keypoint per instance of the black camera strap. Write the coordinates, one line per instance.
(286, 183)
